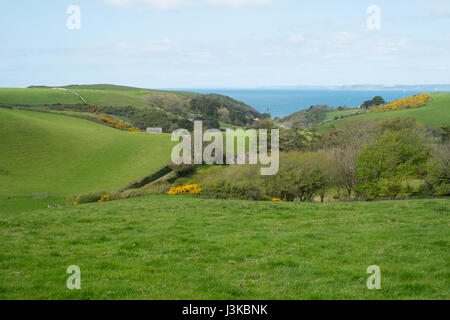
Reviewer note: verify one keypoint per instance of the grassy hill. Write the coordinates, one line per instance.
(94, 94)
(435, 113)
(329, 115)
(37, 96)
(157, 107)
(163, 247)
(45, 153)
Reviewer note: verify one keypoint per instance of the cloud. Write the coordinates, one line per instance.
(296, 38)
(174, 4)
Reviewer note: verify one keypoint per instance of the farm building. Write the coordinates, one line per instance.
(154, 130)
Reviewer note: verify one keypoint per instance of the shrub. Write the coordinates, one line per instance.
(438, 171)
(192, 189)
(300, 177)
(156, 188)
(228, 190)
(415, 101)
(89, 197)
(183, 169)
(394, 158)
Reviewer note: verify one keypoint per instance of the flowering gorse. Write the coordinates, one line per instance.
(412, 102)
(104, 197)
(191, 189)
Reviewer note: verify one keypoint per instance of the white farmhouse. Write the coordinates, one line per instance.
(154, 130)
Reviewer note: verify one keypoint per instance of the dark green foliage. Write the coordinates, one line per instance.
(438, 168)
(161, 172)
(233, 190)
(209, 105)
(389, 162)
(445, 134)
(291, 184)
(293, 140)
(376, 101)
(305, 119)
(182, 170)
(300, 177)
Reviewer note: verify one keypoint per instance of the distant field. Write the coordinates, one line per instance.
(60, 156)
(112, 98)
(331, 114)
(102, 95)
(435, 113)
(37, 96)
(163, 247)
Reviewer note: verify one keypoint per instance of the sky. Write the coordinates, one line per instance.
(224, 43)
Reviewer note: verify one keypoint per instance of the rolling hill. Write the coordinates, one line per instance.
(101, 95)
(48, 154)
(158, 108)
(435, 113)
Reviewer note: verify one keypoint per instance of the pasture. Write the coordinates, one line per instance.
(59, 156)
(177, 247)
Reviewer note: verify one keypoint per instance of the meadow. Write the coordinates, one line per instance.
(100, 95)
(58, 156)
(179, 247)
(37, 96)
(188, 247)
(434, 113)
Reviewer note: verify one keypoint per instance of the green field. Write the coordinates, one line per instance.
(43, 153)
(37, 96)
(331, 114)
(162, 247)
(100, 95)
(435, 113)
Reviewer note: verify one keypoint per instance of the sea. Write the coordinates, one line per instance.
(283, 102)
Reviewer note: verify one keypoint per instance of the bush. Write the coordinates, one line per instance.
(183, 170)
(395, 158)
(89, 197)
(438, 171)
(156, 188)
(300, 177)
(228, 190)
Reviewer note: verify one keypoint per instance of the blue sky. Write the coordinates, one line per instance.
(224, 43)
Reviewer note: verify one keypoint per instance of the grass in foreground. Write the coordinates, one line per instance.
(163, 247)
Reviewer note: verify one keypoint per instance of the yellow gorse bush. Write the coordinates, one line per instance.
(117, 124)
(104, 197)
(191, 189)
(277, 200)
(412, 102)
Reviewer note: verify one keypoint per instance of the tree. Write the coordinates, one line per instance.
(394, 158)
(301, 177)
(293, 140)
(344, 164)
(438, 170)
(376, 101)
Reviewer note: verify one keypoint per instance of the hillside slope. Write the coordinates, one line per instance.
(45, 153)
(436, 113)
(168, 107)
